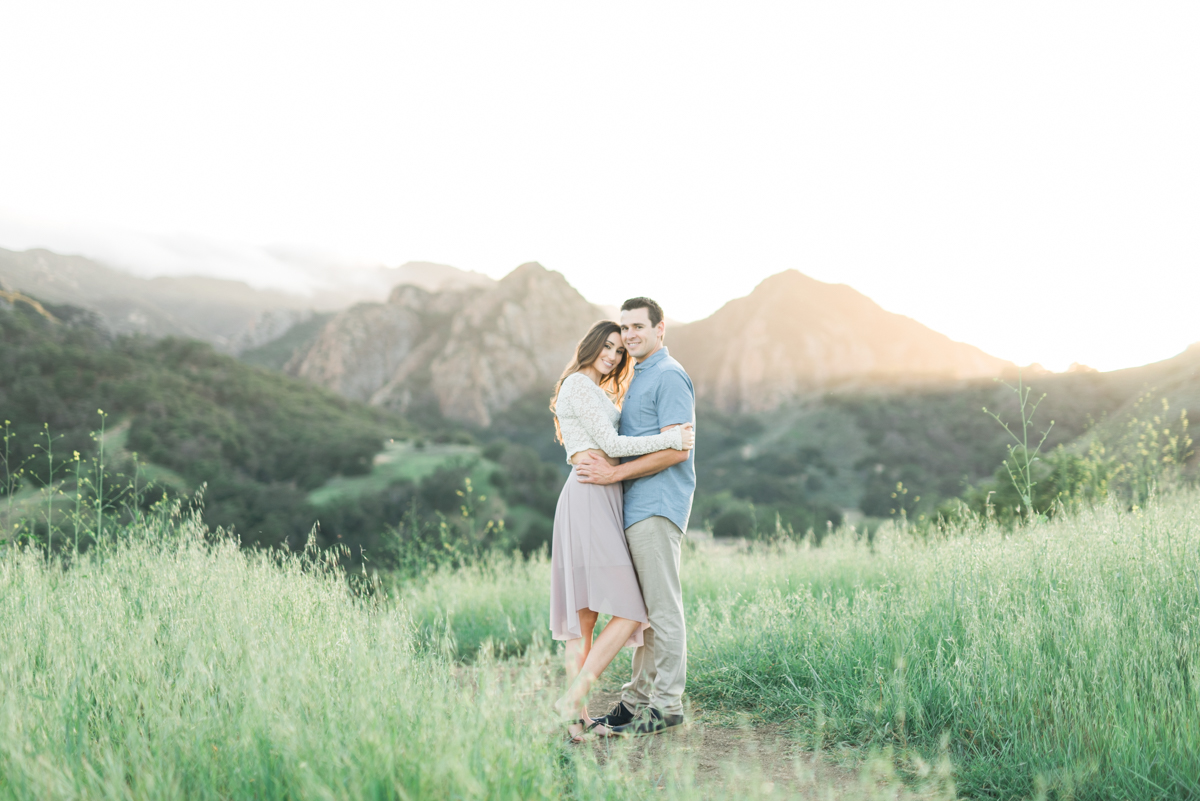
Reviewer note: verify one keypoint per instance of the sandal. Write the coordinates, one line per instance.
(576, 739)
(601, 722)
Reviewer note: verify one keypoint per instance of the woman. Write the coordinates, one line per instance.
(591, 572)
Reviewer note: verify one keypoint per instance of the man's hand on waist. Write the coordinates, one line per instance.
(594, 470)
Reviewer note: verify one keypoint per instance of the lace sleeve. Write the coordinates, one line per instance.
(590, 412)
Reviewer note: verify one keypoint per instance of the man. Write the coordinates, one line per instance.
(658, 501)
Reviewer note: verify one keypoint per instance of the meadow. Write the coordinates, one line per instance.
(1056, 660)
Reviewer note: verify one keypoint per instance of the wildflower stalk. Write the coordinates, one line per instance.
(78, 498)
(49, 487)
(10, 482)
(100, 479)
(1020, 469)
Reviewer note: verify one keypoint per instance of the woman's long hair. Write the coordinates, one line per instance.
(586, 353)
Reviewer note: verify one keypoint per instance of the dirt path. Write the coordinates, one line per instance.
(751, 761)
(728, 758)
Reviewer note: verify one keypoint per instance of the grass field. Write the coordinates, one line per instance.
(1060, 658)
(1057, 661)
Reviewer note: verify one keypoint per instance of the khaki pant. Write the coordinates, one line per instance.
(660, 665)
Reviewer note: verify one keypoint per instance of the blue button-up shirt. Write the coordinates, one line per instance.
(660, 395)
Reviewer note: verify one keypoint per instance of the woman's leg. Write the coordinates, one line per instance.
(602, 652)
(577, 652)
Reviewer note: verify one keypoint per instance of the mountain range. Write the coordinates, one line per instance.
(466, 347)
(231, 315)
(813, 398)
(471, 353)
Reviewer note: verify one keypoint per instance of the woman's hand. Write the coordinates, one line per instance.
(689, 437)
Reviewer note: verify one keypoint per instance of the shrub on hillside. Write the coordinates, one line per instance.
(737, 520)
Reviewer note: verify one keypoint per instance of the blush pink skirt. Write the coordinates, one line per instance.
(590, 567)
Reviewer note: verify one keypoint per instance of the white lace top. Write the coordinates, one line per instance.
(588, 419)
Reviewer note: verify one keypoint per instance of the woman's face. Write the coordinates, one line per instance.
(610, 357)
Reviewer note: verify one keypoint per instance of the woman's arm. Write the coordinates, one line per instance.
(588, 409)
(591, 469)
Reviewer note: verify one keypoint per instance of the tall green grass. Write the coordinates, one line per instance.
(164, 666)
(1062, 656)
(498, 606)
(1055, 659)
(1059, 658)
(167, 663)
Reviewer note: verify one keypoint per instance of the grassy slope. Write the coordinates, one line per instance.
(179, 671)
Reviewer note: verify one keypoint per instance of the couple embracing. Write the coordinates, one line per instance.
(620, 520)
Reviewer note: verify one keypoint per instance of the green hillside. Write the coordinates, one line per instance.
(850, 450)
(277, 455)
(844, 453)
(259, 440)
(274, 355)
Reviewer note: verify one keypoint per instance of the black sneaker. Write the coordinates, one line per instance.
(619, 715)
(650, 722)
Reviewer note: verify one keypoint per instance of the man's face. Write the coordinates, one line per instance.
(641, 338)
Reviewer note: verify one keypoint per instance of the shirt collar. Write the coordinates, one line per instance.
(658, 356)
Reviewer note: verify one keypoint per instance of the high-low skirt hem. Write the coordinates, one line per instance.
(590, 566)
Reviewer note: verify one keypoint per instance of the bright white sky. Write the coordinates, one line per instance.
(1022, 176)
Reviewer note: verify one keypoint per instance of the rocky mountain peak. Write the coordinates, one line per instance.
(409, 296)
(468, 352)
(532, 279)
(528, 270)
(795, 335)
(795, 291)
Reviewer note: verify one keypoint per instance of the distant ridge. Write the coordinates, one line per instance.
(795, 335)
(468, 346)
(209, 309)
(231, 315)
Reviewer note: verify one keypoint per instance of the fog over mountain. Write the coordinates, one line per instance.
(231, 315)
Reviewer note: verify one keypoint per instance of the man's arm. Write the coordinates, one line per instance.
(594, 470)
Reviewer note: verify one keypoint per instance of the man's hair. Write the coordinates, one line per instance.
(653, 309)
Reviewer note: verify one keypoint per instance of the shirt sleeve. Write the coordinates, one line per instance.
(590, 413)
(675, 400)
